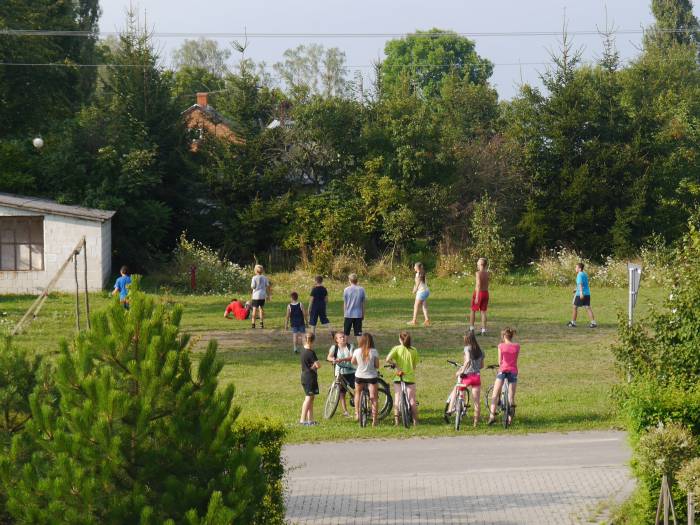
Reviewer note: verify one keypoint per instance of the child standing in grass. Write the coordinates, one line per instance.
(121, 286)
(508, 353)
(317, 305)
(469, 374)
(582, 297)
(421, 291)
(480, 297)
(340, 354)
(260, 286)
(353, 306)
(309, 380)
(405, 359)
(296, 319)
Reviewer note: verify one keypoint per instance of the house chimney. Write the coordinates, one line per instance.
(202, 99)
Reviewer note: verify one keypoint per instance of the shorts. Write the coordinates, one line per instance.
(315, 315)
(309, 382)
(350, 380)
(512, 377)
(354, 323)
(257, 303)
(366, 380)
(483, 302)
(298, 329)
(422, 296)
(471, 380)
(586, 301)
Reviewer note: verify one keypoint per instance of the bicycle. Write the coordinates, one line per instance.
(503, 406)
(404, 406)
(461, 404)
(384, 398)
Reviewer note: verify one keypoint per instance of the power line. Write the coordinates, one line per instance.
(475, 34)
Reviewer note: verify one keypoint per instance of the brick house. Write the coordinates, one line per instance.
(38, 235)
(202, 119)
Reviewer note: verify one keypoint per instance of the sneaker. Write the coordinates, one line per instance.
(571, 324)
(471, 328)
(253, 325)
(296, 350)
(312, 423)
(262, 325)
(483, 331)
(593, 324)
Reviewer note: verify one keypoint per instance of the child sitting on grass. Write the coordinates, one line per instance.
(296, 318)
(309, 380)
(238, 309)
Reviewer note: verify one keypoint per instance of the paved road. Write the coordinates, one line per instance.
(505, 479)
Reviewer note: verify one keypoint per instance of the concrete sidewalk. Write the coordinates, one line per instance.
(504, 479)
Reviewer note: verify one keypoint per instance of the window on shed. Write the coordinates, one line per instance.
(21, 243)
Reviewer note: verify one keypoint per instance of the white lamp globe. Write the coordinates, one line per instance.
(38, 142)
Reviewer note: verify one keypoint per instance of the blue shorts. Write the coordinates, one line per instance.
(422, 296)
(510, 376)
(298, 329)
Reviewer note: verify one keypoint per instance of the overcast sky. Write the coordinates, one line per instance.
(394, 16)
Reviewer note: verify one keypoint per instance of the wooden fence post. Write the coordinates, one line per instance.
(85, 276)
(77, 291)
(665, 502)
(691, 508)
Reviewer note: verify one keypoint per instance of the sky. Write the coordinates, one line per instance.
(517, 58)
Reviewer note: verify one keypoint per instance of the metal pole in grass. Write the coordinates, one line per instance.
(634, 272)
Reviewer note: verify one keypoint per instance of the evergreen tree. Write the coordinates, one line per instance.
(136, 435)
(675, 24)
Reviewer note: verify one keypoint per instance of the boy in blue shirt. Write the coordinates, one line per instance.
(582, 297)
(121, 286)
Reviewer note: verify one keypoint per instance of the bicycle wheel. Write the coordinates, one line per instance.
(460, 409)
(364, 408)
(487, 400)
(331, 401)
(505, 403)
(384, 400)
(405, 407)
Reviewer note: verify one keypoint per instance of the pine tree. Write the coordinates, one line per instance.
(134, 435)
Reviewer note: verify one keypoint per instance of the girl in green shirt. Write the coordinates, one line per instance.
(405, 358)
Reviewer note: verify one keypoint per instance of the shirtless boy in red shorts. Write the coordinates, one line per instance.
(480, 298)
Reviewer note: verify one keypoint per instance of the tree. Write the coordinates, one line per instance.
(675, 23)
(137, 436)
(314, 70)
(202, 54)
(32, 97)
(425, 58)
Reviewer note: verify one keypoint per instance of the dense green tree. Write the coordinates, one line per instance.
(33, 97)
(314, 70)
(137, 435)
(675, 23)
(425, 58)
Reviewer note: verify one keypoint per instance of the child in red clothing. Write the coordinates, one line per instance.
(238, 309)
(508, 353)
(480, 298)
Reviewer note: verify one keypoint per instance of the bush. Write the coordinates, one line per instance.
(646, 405)
(689, 478)
(215, 275)
(557, 267)
(450, 265)
(337, 262)
(486, 237)
(268, 436)
(136, 435)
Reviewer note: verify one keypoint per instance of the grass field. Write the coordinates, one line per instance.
(565, 374)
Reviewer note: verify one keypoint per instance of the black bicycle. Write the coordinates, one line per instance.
(503, 406)
(384, 400)
(461, 403)
(404, 406)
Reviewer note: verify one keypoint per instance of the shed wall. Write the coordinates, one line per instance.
(61, 234)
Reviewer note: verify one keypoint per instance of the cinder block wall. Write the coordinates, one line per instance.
(61, 234)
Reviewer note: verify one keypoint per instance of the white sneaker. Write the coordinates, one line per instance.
(483, 331)
(571, 324)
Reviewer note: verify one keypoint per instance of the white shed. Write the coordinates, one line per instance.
(38, 235)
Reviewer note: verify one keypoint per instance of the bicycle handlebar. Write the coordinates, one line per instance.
(389, 366)
(454, 363)
(491, 367)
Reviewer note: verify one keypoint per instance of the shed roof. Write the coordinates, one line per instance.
(37, 204)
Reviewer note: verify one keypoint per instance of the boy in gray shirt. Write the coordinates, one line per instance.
(353, 306)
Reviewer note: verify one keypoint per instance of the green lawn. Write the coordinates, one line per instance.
(565, 374)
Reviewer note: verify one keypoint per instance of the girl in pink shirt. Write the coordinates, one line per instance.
(508, 352)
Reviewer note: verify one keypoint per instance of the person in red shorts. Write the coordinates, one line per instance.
(238, 309)
(480, 298)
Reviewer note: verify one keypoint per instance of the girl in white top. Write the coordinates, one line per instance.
(366, 360)
(340, 354)
(421, 291)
